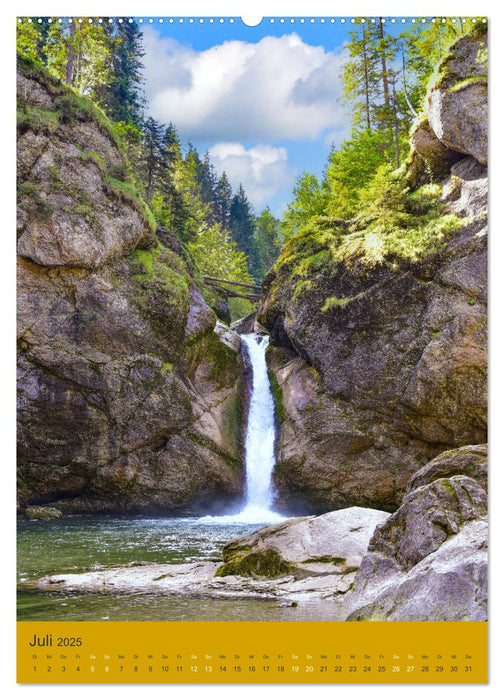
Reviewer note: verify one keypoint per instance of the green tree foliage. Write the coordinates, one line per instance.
(99, 59)
(218, 256)
(311, 198)
(152, 159)
(350, 168)
(207, 180)
(267, 243)
(28, 39)
(120, 96)
(80, 53)
(385, 80)
(222, 201)
(423, 46)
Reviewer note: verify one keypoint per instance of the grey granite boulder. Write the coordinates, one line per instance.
(330, 543)
(428, 561)
(448, 585)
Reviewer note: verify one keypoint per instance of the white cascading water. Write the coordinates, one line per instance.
(259, 441)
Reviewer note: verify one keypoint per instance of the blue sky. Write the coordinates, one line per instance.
(265, 101)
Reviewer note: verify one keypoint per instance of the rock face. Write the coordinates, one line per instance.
(379, 368)
(458, 108)
(456, 120)
(428, 561)
(129, 389)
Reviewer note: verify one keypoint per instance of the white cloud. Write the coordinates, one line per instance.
(277, 88)
(262, 170)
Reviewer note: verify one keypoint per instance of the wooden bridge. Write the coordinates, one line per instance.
(216, 282)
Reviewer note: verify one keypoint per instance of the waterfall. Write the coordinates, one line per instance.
(259, 440)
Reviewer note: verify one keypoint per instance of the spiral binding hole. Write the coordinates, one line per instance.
(246, 21)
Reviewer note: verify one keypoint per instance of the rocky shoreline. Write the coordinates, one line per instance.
(426, 561)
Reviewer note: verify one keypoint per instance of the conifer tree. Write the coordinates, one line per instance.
(121, 96)
(241, 225)
(152, 159)
(207, 180)
(222, 201)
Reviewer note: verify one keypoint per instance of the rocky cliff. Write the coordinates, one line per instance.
(129, 388)
(378, 355)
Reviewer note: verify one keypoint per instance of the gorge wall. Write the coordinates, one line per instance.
(129, 388)
(380, 365)
(131, 391)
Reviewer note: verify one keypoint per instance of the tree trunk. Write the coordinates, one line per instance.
(366, 78)
(381, 49)
(396, 125)
(71, 55)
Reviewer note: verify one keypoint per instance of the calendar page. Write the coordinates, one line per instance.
(252, 272)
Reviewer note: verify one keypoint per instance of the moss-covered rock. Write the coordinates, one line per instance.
(455, 119)
(42, 513)
(265, 563)
(70, 165)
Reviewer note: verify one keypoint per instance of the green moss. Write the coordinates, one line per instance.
(159, 270)
(446, 485)
(477, 79)
(436, 334)
(232, 422)
(30, 199)
(37, 119)
(332, 302)
(266, 563)
(96, 158)
(396, 227)
(129, 194)
(326, 559)
(471, 302)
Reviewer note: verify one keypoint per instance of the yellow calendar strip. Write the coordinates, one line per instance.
(252, 652)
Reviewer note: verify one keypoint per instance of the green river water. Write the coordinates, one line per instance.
(83, 543)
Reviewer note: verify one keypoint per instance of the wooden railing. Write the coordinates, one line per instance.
(216, 282)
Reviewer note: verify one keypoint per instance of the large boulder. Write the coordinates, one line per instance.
(458, 102)
(333, 543)
(370, 388)
(448, 585)
(455, 122)
(130, 392)
(428, 561)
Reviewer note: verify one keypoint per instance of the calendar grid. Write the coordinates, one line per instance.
(252, 652)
